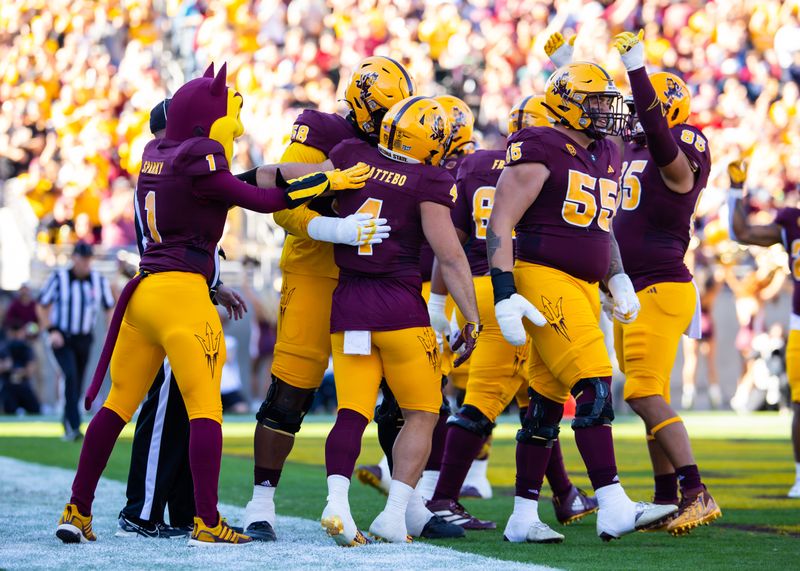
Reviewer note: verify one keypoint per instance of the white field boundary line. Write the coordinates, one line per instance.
(34, 495)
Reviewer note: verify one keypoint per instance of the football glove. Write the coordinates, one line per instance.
(358, 229)
(626, 302)
(509, 313)
(466, 341)
(631, 49)
(737, 171)
(305, 188)
(559, 49)
(439, 320)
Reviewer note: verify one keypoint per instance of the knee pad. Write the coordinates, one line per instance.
(597, 412)
(536, 429)
(470, 418)
(388, 413)
(285, 407)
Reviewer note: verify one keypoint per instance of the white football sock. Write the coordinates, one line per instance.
(477, 471)
(427, 484)
(526, 509)
(338, 489)
(397, 502)
(261, 507)
(611, 496)
(417, 515)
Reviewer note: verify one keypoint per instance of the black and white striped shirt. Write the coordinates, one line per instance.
(75, 302)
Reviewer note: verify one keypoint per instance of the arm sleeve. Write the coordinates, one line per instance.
(296, 221)
(650, 111)
(222, 186)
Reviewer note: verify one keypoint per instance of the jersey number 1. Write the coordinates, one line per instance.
(150, 208)
(371, 206)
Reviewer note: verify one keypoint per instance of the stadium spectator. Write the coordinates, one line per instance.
(68, 307)
(17, 366)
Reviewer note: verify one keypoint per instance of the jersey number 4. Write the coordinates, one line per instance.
(580, 205)
(371, 206)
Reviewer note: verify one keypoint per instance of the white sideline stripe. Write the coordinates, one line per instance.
(153, 454)
(39, 492)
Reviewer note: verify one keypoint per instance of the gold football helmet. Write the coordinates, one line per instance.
(377, 83)
(415, 130)
(528, 112)
(674, 95)
(582, 96)
(462, 123)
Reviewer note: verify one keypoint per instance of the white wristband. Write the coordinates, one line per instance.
(437, 301)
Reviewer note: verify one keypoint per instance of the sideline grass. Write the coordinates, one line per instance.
(748, 476)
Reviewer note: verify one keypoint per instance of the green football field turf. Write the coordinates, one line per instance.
(746, 463)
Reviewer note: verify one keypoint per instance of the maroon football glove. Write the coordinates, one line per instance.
(467, 338)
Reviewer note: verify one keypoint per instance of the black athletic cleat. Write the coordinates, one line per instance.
(134, 527)
(261, 531)
(439, 528)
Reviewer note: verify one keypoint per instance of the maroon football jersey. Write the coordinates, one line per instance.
(322, 131)
(567, 227)
(476, 181)
(426, 252)
(183, 195)
(380, 286)
(789, 220)
(653, 224)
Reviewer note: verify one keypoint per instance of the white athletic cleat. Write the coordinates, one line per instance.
(389, 529)
(627, 517)
(521, 530)
(476, 484)
(795, 491)
(338, 523)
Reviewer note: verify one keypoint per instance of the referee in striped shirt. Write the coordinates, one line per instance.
(68, 306)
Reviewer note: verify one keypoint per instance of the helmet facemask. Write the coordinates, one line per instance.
(632, 130)
(603, 114)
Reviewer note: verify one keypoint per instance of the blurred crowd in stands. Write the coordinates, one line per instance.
(78, 78)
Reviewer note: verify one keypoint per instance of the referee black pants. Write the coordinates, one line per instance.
(73, 357)
(159, 475)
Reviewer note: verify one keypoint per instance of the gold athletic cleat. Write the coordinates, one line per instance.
(334, 527)
(694, 511)
(370, 475)
(73, 527)
(218, 536)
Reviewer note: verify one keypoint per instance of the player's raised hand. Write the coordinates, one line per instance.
(559, 49)
(626, 302)
(352, 178)
(631, 49)
(464, 344)
(509, 313)
(737, 171)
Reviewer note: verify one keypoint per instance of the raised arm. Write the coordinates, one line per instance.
(676, 169)
(741, 229)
